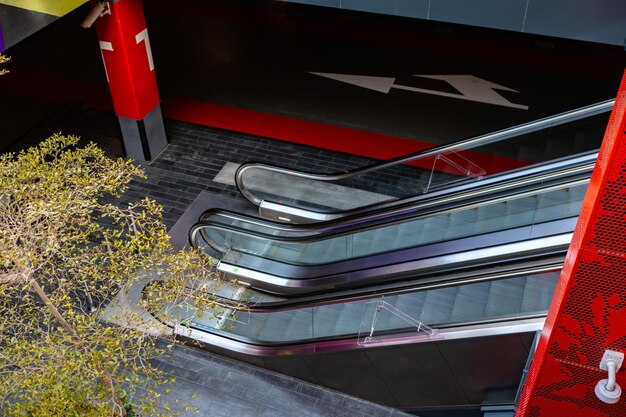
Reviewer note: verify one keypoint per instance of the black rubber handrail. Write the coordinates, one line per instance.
(485, 139)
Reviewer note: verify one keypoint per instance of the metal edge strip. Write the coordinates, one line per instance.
(465, 332)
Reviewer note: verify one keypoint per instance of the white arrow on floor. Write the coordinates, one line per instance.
(470, 87)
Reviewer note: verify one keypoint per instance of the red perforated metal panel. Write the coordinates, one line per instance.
(588, 313)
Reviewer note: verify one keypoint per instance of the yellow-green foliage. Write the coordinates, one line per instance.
(66, 239)
(4, 59)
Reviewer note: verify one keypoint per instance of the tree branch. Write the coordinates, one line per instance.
(53, 309)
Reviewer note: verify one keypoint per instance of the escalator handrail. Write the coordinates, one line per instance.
(344, 228)
(552, 171)
(392, 289)
(530, 323)
(484, 139)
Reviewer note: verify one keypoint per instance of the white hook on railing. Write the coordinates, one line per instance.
(607, 390)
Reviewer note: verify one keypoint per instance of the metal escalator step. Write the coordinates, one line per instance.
(369, 241)
(463, 216)
(461, 224)
(490, 211)
(548, 213)
(489, 218)
(410, 234)
(281, 326)
(434, 229)
(349, 319)
(488, 225)
(554, 197)
(577, 193)
(505, 297)
(246, 244)
(410, 304)
(550, 205)
(383, 242)
(539, 291)
(336, 320)
(471, 302)
(246, 324)
(361, 243)
(519, 212)
(436, 223)
(438, 305)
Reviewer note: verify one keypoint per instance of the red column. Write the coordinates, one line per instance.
(129, 67)
(588, 312)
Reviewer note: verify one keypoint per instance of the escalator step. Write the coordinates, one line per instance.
(539, 291)
(505, 297)
(461, 223)
(520, 212)
(438, 305)
(471, 302)
(410, 304)
(339, 319)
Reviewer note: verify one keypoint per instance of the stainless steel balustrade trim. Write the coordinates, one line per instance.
(550, 244)
(466, 143)
(346, 228)
(502, 181)
(221, 340)
(389, 290)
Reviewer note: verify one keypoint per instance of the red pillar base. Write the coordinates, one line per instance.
(144, 139)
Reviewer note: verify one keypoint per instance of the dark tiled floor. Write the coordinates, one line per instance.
(196, 154)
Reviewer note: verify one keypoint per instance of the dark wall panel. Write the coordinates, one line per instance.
(418, 375)
(488, 369)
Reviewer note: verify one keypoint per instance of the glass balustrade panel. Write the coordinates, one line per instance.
(489, 217)
(427, 174)
(425, 310)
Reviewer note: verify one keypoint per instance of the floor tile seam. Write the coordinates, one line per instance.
(166, 193)
(172, 365)
(179, 163)
(320, 402)
(176, 361)
(287, 410)
(182, 174)
(279, 376)
(227, 364)
(272, 385)
(220, 382)
(327, 405)
(277, 380)
(367, 404)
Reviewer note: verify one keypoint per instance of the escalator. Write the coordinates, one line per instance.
(494, 296)
(292, 196)
(407, 339)
(464, 223)
(424, 301)
(526, 214)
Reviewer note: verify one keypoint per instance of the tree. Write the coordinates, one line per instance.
(4, 59)
(68, 246)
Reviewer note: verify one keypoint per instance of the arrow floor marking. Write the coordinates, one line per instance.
(471, 88)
